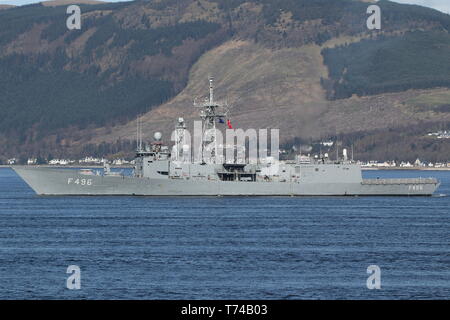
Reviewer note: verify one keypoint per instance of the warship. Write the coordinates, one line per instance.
(160, 171)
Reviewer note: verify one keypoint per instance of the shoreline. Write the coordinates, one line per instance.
(131, 167)
(402, 168)
(68, 166)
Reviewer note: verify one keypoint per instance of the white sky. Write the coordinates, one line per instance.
(442, 5)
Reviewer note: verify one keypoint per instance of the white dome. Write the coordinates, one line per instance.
(186, 148)
(157, 136)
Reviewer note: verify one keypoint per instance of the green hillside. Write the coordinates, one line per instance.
(50, 90)
(416, 60)
(49, 99)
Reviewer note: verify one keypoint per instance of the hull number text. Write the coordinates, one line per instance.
(81, 182)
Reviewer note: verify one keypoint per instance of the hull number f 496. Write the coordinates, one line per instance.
(81, 182)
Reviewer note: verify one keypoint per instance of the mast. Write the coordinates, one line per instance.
(210, 113)
(180, 139)
(211, 90)
(211, 102)
(137, 134)
(140, 134)
(139, 141)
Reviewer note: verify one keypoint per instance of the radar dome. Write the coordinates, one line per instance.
(157, 136)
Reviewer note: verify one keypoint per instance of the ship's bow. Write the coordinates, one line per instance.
(40, 179)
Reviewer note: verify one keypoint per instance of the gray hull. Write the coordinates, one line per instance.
(47, 181)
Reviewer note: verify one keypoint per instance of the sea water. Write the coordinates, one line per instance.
(224, 248)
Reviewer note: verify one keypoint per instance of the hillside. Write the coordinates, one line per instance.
(308, 67)
(290, 97)
(5, 6)
(414, 60)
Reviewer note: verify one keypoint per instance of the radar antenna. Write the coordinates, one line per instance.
(210, 112)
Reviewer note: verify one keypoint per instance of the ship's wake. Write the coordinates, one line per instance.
(440, 195)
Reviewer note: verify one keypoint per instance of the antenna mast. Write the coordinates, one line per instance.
(139, 134)
(211, 90)
(180, 140)
(210, 112)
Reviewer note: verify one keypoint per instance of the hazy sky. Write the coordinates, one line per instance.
(442, 5)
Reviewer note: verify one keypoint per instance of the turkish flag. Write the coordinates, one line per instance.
(229, 124)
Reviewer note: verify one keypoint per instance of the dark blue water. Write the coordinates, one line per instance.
(224, 248)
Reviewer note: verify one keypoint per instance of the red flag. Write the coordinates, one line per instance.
(229, 124)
